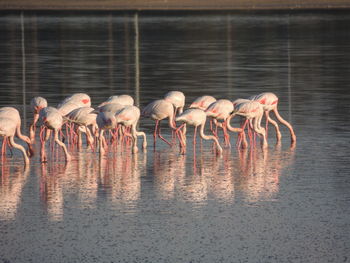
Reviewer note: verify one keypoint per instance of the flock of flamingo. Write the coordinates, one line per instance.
(119, 116)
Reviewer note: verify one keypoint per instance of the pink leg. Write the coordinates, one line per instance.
(43, 157)
(267, 122)
(155, 133)
(194, 136)
(3, 148)
(226, 135)
(239, 141)
(250, 136)
(160, 136)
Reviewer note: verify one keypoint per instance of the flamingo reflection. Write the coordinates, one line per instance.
(261, 172)
(120, 177)
(12, 182)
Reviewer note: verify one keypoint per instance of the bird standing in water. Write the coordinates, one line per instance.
(220, 110)
(196, 118)
(252, 111)
(13, 114)
(159, 110)
(37, 104)
(270, 101)
(52, 120)
(129, 117)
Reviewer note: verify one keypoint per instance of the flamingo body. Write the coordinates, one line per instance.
(80, 99)
(159, 110)
(202, 102)
(196, 118)
(177, 98)
(270, 103)
(8, 128)
(124, 100)
(220, 109)
(13, 114)
(129, 117)
(52, 119)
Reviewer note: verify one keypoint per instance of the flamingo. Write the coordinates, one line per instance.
(202, 102)
(270, 101)
(52, 120)
(13, 114)
(177, 98)
(37, 103)
(111, 107)
(80, 99)
(105, 121)
(73, 102)
(197, 117)
(8, 130)
(125, 100)
(129, 117)
(253, 112)
(221, 110)
(159, 110)
(84, 117)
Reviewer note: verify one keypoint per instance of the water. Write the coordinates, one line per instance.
(283, 205)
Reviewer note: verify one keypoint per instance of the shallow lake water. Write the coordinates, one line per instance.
(286, 204)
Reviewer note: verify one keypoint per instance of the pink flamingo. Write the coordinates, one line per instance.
(105, 121)
(129, 117)
(73, 102)
(270, 101)
(124, 100)
(197, 117)
(8, 128)
(81, 99)
(221, 110)
(37, 103)
(112, 107)
(13, 114)
(84, 118)
(159, 110)
(253, 112)
(177, 98)
(202, 102)
(52, 120)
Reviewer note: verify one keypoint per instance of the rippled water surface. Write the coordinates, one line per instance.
(288, 204)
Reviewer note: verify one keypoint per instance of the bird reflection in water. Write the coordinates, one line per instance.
(12, 181)
(211, 178)
(168, 171)
(260, 172)
(120, 176)
(58, 179)
(52, 178)
(192, 179)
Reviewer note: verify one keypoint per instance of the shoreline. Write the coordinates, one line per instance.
(169, 5)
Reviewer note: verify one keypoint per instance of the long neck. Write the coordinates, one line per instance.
(172, 122)
(278, 116)
(20, 135)
(209, 137)
(229, 127)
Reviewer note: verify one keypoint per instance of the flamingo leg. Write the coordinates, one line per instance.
(226, 134)
(155, 133)
(43, 157)
(242, 135)
(194, 136)
(57, 140)
(3, 147)
(160, 136)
